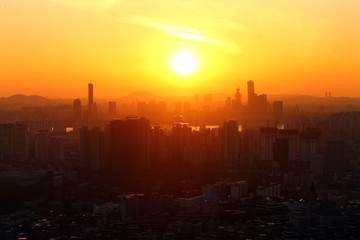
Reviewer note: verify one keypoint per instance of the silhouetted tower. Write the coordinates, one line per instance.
(231, 143)
(112, 108)
(262, 104)
(77, 109)
(252, 98)
(129, 144)
(90, 100)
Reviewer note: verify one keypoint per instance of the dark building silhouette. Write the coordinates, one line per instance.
(334, 158)
(281, 153)
(278, 110)
(231, 147)
(13, 141)
(77, 109)
(292, 139)
(179, 143)
(267, 141)
(262, 104)
(90, 100)
(129, 144)
(252, 98)
(112, 108)
(92, 149)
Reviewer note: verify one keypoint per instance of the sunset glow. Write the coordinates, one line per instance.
(184, 63)
(53, 47)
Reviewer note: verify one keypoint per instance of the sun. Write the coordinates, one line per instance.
(184, 63)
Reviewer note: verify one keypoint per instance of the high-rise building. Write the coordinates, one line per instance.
(250, 88)
(309, 147)
(334, 158)
(291, 135)
(231, 147)
(180, 143)
(262, 104)
(90, 100)
(13, 141)
(238, 100)
(42, 146)
(129, 144)
(112, 108)
(267, 141)
(278, 110)
(252, 98)
(77, 109)
(92, 149)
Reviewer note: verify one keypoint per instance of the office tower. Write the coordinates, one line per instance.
(267, 140)
(238, 100)
(179, 143)
(90, 100)
(13, 141)
(56, 149)
(95, 110)
(278, 110)
(281, 153)
(291, 135)
(112, 108)
(309, 147)
(250, 88)
(262, 104)
(158, 147)
(231, 147)
(334, 158)
(42, 146)
(251, 139)
(252, 98)
(77, 109)
(129, 144)
(92, 149)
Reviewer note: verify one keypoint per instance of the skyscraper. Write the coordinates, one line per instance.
(231, 144)
(13, 141)
(334, 158)
(90, 100)
(252, 98)
(129, 144)
(278, 110)
(92, 149)
(77, 109)
(267, 141)
(112, 108)
(262, 104)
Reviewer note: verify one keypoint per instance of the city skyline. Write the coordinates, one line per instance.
(53, 47)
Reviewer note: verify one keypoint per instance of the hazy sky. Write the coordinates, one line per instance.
(55, 47)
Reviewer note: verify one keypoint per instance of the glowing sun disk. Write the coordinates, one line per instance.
(184, 63)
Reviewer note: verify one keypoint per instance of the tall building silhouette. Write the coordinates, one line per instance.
(262, 104)
(13, 141)
(92, 149)
(237, 104)
(77, 109)
(252, 98)
(129, 144)
(278, 110)
(179, 142)
(90, 100)
(231, 144)
(267, 141)
(112, 108)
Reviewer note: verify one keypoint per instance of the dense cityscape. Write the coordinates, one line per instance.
(186, 168)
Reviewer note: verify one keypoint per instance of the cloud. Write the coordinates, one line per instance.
(184, 32)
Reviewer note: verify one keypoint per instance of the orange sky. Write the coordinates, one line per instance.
(55, 47)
